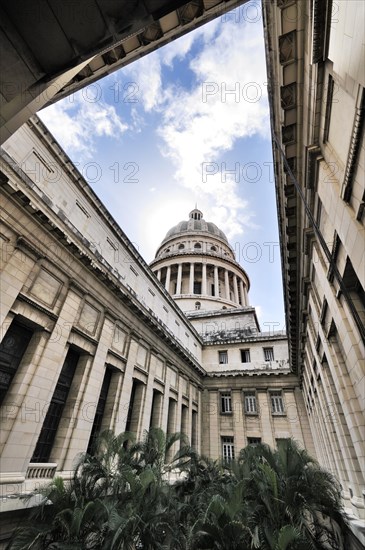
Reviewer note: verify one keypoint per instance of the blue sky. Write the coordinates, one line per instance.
(186, 124)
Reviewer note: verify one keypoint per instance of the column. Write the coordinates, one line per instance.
(165, 406)
(226, 284)
(213, 429)
(156, 411)
(147, 401)
(235, 289)
(292, 416)
(74, 433)
(159, 274)
(191, 279)
(13, 277)
(168, 276)
(216, 282)
(204, 278)
(179, 277)
(238, 425)
(242, 292)
(125, 395)
(265, 418)
(246, 295)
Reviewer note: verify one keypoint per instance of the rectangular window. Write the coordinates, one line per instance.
(277, 403)
(269, 354)
(12, 350)
(253, 440)
(245, 356)
(49, 429)
(227, 449)
(329, 100)
(250, 403)
(99, 414)
(226, 402)
(223, 357)
(197, 288)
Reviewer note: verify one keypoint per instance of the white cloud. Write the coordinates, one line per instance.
(77, 123)
(201, 124)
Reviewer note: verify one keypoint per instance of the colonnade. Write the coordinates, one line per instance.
(194, 278)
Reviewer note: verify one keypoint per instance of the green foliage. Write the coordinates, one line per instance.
(122, 498)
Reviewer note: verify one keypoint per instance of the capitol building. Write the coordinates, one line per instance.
(94, 338)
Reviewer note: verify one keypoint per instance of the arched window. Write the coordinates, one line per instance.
(213, 249)
(167, 250)
(181, 246)
(197, 305)
(197, 245)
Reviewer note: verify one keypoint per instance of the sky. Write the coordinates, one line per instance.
(185, 125)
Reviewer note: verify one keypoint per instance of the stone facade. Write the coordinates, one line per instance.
(316, 74)
(92, 339)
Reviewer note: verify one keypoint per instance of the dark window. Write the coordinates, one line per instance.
(197, 288)
(223, 357)
(226, 403)
(49, 429)
(197, 245)
(12, 349)
(327, 118)
(253, 440)
(228, 449)
(277, 403)
(250, 403)
(269, 354)
(98, 419)
(245, 356)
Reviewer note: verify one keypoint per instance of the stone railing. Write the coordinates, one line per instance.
(45, 470)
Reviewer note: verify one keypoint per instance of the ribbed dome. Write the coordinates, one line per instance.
(195, 224)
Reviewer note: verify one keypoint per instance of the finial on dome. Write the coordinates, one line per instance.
(196, 214)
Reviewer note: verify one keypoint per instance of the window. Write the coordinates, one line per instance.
(226, 403)
(181, 247)
(245, 356)
(269, 354)
(54, 414)
(12, 349)
(197, 305)
(253, 440)
(197, 245)
(197, 288)
(213, 249)
(277, 404)
(227, 449)
(329, 101)
(223, 357)
(250, 403)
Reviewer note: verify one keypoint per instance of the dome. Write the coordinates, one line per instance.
(195, 224)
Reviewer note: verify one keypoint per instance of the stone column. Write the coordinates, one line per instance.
(147, 401)
(168, 275)
(238, 425)
(165, 406)
(191, 279)
(216, 282)
(74, 433)
(265, 418)
(125, 394)
(13, 277)
(179, 278)
(247, 303)
(214, 431)
(159, 274)
(226, 284)
(235, 289)
(204, 278)
(242, 292)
